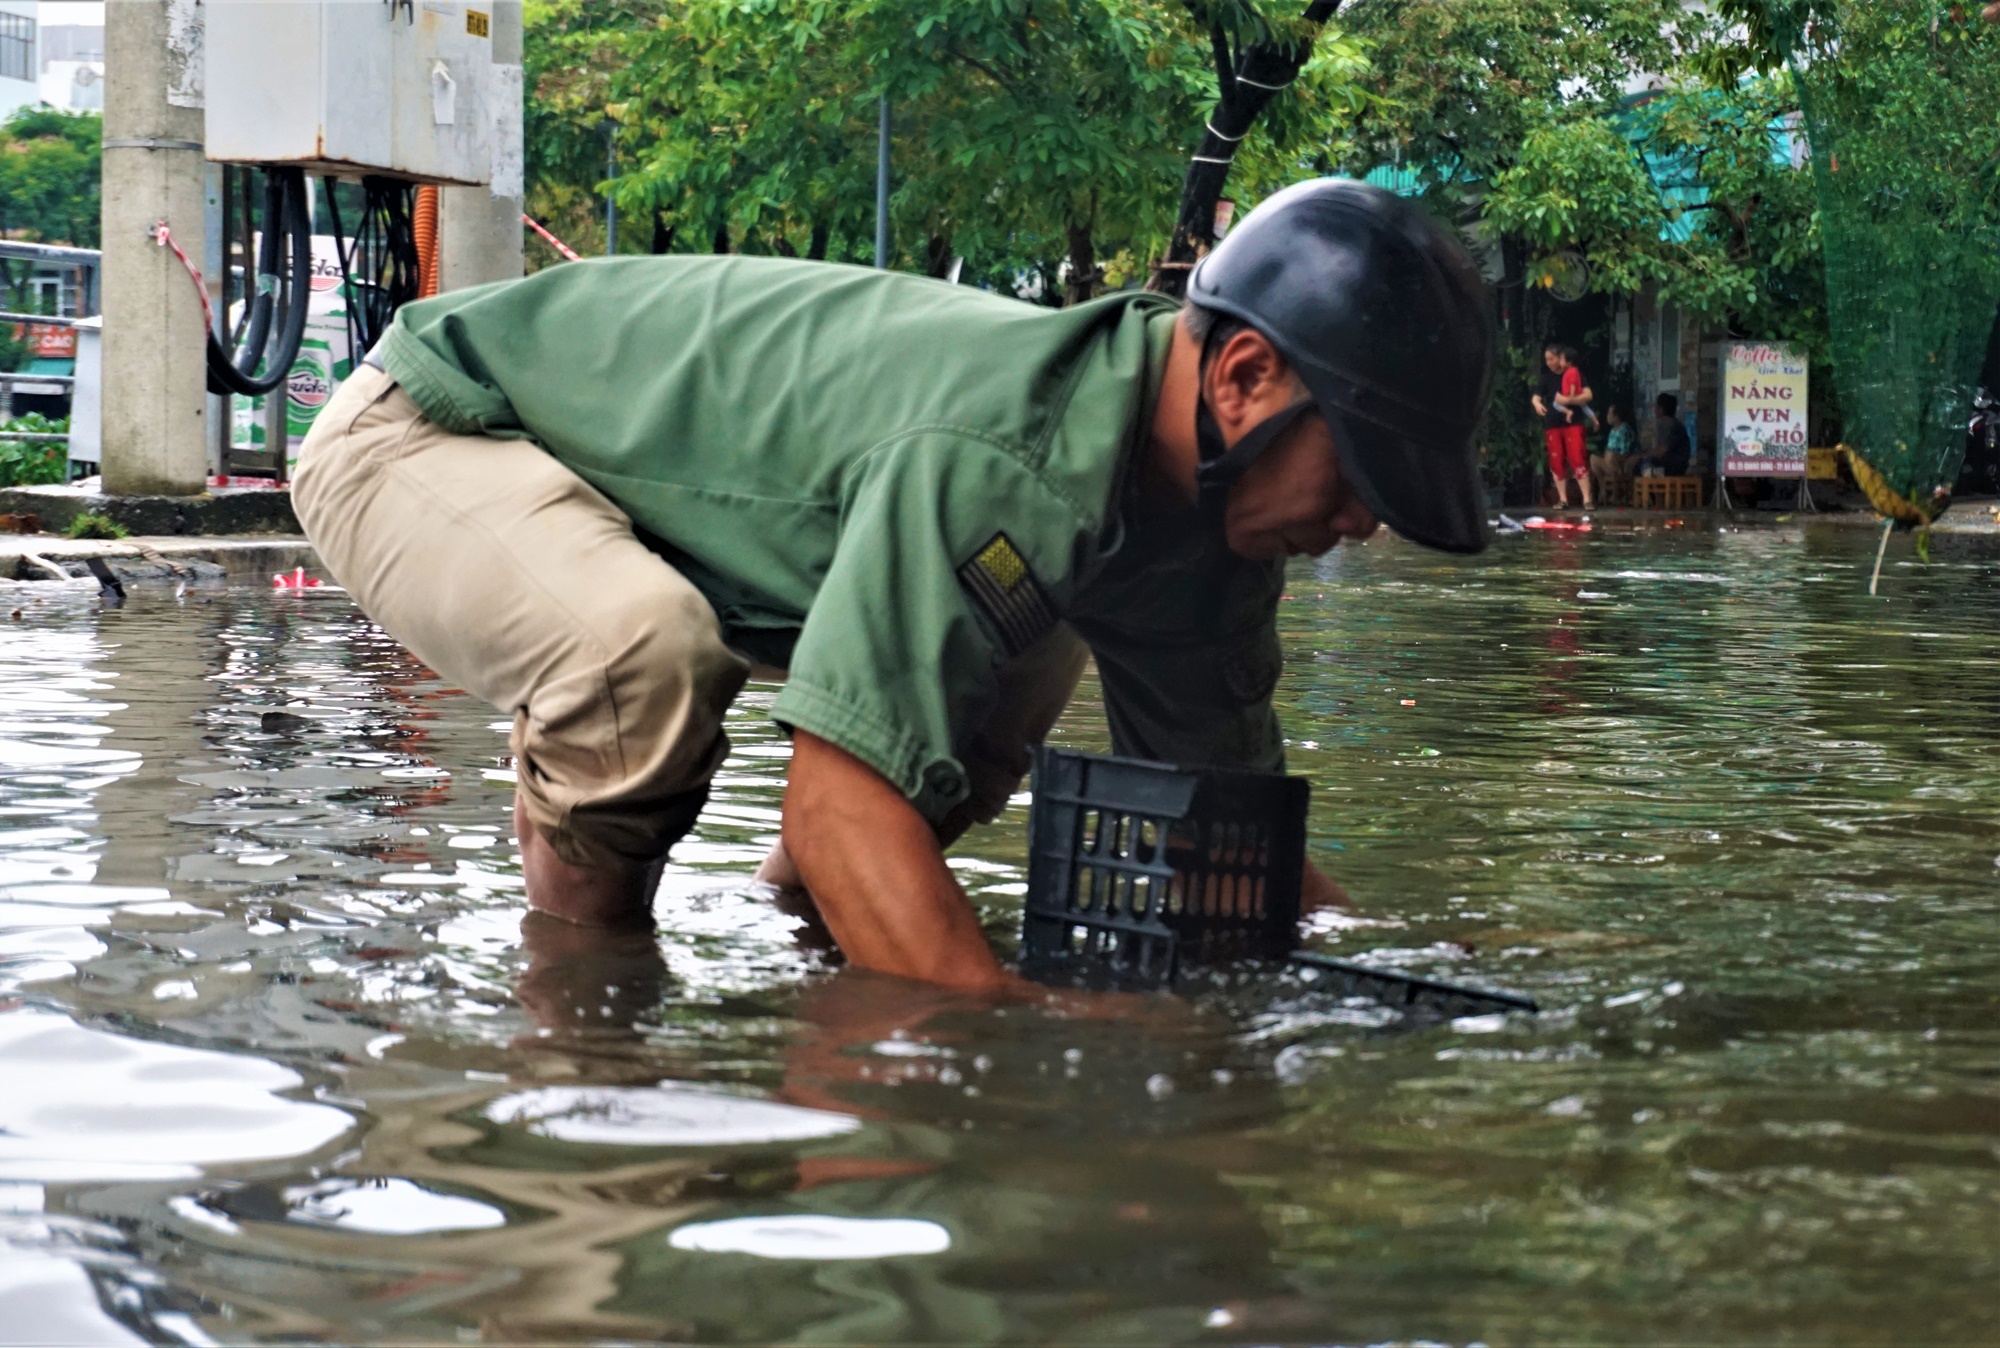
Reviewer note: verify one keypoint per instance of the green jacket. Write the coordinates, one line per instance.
(885, 483)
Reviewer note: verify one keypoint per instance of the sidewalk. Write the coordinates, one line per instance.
(162, 557)
(1971, 516)
(1964, 517)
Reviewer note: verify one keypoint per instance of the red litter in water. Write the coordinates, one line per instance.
(1409, 702)
(298, 580)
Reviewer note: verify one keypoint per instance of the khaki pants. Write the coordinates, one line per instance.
(1610, 470)
(515, 579)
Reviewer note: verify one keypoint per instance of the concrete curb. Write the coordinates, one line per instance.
(225, 511)
(240, 558)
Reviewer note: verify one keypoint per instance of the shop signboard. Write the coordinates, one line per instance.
(1763, 422)
(50, 343)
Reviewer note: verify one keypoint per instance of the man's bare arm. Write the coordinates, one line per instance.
(877, 874)
(1319, 890)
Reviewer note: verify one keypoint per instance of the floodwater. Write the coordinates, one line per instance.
(280, 1062)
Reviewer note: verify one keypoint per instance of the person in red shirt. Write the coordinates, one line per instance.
(1562, 401)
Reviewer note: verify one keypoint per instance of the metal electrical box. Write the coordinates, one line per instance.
(407, 88)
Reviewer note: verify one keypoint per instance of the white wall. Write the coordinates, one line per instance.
(16, 93)
(73, 86)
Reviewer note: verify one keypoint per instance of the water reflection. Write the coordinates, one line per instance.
(85, 1105)
(815, 1239)
(665, 1115)
(371, 1205)
(286, 1057)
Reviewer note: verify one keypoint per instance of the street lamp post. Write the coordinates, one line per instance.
(882, 189)
(610, 205)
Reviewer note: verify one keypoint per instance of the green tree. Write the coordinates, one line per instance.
(1459, 86)
(50, 166)
(1627, 132)
(1694, 191)
(1899, 98)
(570, 49)
(1031, 137)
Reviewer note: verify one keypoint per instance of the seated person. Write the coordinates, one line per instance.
(1615, 463)
(1672, 451)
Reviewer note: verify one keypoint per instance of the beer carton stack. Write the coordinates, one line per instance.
(323, 362)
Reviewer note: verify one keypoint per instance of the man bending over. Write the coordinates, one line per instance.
(601, 496)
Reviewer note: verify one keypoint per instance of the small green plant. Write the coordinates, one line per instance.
(27, 463)
(93, 525)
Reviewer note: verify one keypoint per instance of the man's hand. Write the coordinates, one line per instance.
(877, 874)
(1317, 890)
(1541, 408)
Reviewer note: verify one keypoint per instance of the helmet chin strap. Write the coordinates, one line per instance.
(1221, 465)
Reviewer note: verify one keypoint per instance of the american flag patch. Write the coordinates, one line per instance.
(1006, 591)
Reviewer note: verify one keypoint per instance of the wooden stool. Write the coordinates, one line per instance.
(1667, 493)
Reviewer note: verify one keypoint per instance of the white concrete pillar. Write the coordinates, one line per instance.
(154, 363)
(479, 228)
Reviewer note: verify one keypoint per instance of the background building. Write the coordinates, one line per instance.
(70, 56)
(20, 59)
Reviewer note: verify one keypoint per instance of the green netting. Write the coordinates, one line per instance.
(1902, 107)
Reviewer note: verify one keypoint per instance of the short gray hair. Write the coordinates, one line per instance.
(1201, 321)
(1212, 329)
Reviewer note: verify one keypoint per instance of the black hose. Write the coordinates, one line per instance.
(259, 299)
(345, 250)
(286, 218)
(383, 258)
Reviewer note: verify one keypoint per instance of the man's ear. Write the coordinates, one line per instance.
(1244, 373)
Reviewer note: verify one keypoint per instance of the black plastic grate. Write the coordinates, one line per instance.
(1136, 870)
(1139, 872)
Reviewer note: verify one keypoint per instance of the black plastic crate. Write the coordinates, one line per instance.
(1141, 872)
(1138, 870)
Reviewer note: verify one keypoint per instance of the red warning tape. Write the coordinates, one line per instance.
(553, 241)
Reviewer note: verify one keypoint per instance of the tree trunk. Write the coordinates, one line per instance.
(1513, 291)
(937, 256)
(722, 238)
(816, 250)
(663, 233)
(1246, 83)
(1082, 266)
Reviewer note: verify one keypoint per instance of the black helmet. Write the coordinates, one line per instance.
(1385, 318)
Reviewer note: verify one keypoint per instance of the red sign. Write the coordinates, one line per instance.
(47, 343)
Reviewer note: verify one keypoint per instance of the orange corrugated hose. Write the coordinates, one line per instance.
(426, 225)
